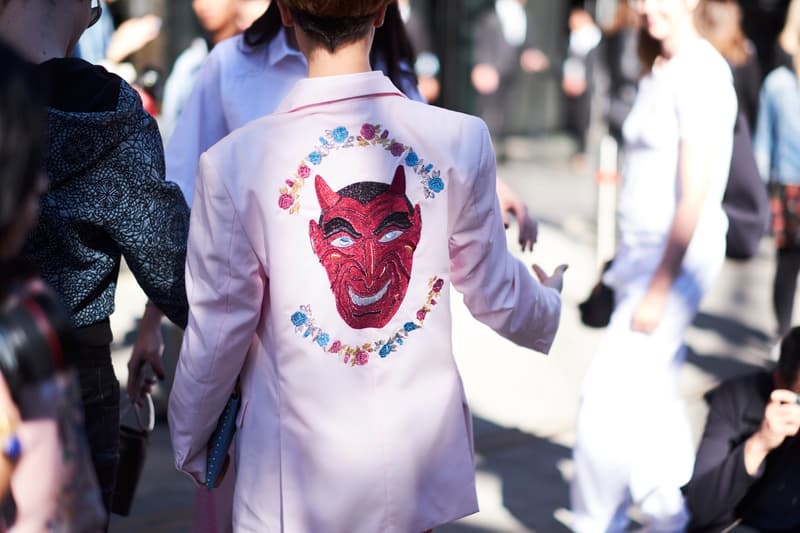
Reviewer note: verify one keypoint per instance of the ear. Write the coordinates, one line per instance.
(315, 235)
(398, 186)
(286, 14)
(325, 195)
(380, 17)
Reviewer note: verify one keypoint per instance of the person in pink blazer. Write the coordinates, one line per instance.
(323, 245)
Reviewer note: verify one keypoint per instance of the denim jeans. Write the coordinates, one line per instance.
(100, 397)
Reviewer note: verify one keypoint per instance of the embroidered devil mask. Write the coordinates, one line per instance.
(365, 239)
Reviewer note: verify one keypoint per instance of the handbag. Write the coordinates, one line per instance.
(745, 202)
(597, 308)
(221, 438)
(134, 437)
(785, 208)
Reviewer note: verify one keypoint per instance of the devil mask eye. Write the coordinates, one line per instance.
(343, 242)
(389, 237)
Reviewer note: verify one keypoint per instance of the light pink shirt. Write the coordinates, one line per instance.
(346, 427)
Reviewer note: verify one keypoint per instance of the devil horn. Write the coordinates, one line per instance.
(326, 196)
(398, 186)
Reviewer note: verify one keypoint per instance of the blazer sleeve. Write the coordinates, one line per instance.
(150, 220)
(200, 125)
(498, 289)
(225, 286)
(720, 479)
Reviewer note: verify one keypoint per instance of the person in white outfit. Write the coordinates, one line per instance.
(633, 440)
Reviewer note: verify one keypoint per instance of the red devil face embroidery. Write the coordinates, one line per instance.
(366, 238)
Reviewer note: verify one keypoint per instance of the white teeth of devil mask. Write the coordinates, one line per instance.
(369, 300)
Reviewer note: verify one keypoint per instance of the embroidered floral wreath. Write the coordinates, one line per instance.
(304, 322)
(369, 135)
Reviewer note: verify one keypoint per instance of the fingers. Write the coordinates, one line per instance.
(555, 281)
(540, 274)
(157, 366)
(783, 396)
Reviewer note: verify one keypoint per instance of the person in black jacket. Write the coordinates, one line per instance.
(747, 471)
(107, 199)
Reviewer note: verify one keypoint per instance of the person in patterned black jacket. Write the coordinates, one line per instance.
(108, 198)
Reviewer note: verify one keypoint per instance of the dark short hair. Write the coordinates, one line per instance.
(23, 133)
(789, 361)
(333, 32)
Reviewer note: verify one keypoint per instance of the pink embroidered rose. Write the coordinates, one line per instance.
(290, 183)
(433, 302)
(285, 201)
(397, 149)
(421, 314)
(303, 171)
(346, 358)
(362, 358)
(335, 347)
(438, 285)
(385, 134)
(368, 132)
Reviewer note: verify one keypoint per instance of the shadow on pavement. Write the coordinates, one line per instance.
(721, 366)
(732, 330)
(521, 461)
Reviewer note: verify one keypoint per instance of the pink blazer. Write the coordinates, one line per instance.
(323, 244)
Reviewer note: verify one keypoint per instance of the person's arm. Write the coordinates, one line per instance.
(226, 285)
(511, 203)
(485, 76)
(706, 113)
(762, 140)
(147, 350)
(498, 289)
(150, 221)
(199, 126)
(720, 479)
(781, 420)
(9, 421)
(695, 170)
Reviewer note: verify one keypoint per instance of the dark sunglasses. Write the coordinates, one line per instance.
(97, 10)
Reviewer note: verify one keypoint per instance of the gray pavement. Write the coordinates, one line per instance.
(524, 404)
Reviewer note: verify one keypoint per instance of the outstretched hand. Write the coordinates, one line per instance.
(555, 280)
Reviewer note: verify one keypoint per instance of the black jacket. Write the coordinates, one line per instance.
(721, 491)
(108, 198)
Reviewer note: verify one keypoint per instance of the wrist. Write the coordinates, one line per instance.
(756, 449)
(10, 446)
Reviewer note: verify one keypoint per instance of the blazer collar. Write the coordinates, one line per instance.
(315, 91)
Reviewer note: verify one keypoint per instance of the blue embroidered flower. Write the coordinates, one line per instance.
(436, 184)
(324, 141)
(412, 159)
(409, 327)
(428, 168)
(340, 134)
(386, 349)
(315, 157)
(298, 319)
(323, 339)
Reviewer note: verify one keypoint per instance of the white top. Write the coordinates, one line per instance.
(236, 85)
(689, 97)
(323, 244)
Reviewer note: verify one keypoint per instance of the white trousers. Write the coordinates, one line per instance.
(633, 441)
